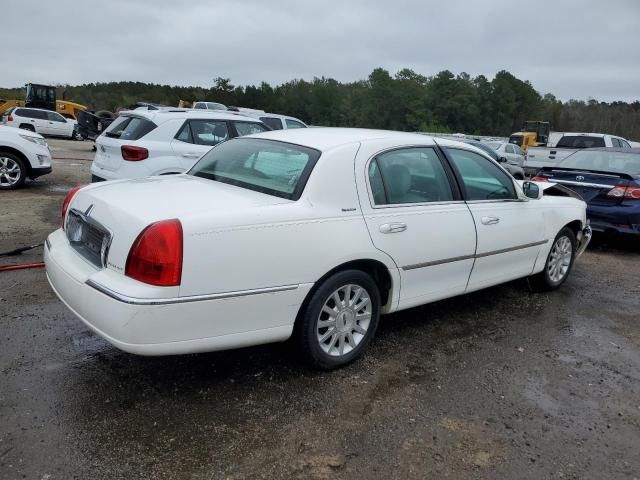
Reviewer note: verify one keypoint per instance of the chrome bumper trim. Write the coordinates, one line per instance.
(194, 298)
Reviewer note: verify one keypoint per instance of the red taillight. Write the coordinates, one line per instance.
(10, 118)
(156, 255)
(540, 179)
(622, 191)
(134, 154)
(67, 201)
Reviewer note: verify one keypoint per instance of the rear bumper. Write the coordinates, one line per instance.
(623, 218)
(168, 326)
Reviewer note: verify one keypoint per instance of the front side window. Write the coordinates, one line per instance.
(482, 180)
(509, 149)
(208, 132)
(294, 124)
(247, 128)
(55, 117)
(275, 168)
(273, 122)
(409, 175)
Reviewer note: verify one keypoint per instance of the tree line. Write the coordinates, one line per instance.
(445, 102)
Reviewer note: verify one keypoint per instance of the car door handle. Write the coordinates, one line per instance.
(191, 155)
(393, 227)
(490, 220)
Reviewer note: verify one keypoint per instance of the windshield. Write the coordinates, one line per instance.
(603, 161)
(267, 166)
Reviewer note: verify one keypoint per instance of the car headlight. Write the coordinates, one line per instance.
(36, 140)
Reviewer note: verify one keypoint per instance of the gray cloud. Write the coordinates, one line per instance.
(574, 49)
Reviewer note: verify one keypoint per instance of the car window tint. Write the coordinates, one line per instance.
(413, 175)
(273, 122)
(129, 128)
(184, 135)
(247, 128)
(55, 117)
(209, 132)
(482, 179)
(275, 168)
(200, 106)
(293, 124)
(580, 141)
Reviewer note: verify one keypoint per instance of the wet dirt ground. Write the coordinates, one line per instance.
(503, 383)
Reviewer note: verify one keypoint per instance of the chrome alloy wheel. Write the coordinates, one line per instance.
(560, 259)
(344, 320)
(9, 171)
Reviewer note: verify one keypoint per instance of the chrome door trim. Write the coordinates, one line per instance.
(475, 256)
(581, 184)
(193, 298)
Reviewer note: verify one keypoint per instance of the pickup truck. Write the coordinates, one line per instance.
(539, 157)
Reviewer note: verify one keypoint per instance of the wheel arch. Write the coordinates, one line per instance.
(19, 154)
(378, 271)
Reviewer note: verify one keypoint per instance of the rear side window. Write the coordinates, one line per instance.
(409, 175)
(580, 141)
(29, 113)
(247, 128)
(481, 178)
(625, 144)
(129, 128)
(200, 106)
(616, 143)
(204, 132)
(273, 122)
(294, 124)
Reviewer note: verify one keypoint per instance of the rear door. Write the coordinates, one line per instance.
(36, 118)
(510, 231)
(415, 214)
(196, 137)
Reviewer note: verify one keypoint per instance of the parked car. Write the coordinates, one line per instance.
(539, 157)
(510, 166)
(209, 106)
(608, 179)
(141, 143)
(513, 154)
(278, 122)
(22, 154)
(44, 122)
(309, 232)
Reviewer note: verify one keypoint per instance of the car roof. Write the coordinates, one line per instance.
(31, 108)
(327, 138)
(181, 113)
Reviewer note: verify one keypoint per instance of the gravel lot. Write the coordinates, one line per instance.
(502, 383)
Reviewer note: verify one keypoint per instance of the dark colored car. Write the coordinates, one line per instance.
(608, 179)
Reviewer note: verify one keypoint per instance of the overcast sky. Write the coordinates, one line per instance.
(571, 48)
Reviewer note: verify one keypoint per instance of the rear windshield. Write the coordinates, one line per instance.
(267, 166)
(580, 141)
(273, 122)
(603, 161)
(129, 128)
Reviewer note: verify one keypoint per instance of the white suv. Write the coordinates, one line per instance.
(143, 143)
(22, 154)
(44, 122)
(276, 121)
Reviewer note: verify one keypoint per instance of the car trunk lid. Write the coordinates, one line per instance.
(593, 186)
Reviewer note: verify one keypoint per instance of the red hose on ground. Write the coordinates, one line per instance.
(21, 266)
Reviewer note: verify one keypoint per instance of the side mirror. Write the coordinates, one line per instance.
(531, 190)
(502, 160)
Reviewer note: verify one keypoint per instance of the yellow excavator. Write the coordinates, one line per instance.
(533, 133)
(44, 96)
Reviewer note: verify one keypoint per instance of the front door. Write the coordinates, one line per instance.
(415, 214)
(195, 138)
(510, 231)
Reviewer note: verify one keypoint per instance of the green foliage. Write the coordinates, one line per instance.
(445, 102)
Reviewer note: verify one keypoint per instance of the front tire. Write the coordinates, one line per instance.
(559, 262)
(339, 320)
(13, 171)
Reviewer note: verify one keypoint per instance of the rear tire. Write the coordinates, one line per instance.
(339, 320)
(559, 262)
(13, 171)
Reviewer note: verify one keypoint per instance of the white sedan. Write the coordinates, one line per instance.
(309, 232)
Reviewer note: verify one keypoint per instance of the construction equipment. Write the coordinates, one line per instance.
(533, 133)
(44, 96)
